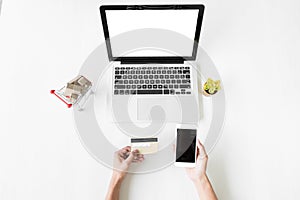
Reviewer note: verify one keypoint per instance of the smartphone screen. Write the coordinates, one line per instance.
(186, 145)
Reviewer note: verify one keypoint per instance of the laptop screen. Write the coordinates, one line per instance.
(152, 31)
(179, 21)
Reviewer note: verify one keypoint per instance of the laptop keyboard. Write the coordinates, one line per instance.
(152, 80)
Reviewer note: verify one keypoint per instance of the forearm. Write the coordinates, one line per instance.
(205, 189)
(114, 187)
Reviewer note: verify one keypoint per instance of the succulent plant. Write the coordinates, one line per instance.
(211, 86)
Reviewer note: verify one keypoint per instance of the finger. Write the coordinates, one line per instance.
(138, 156)
(123, 150)
(126, 149)
(131, 156)
(136, 160)
(203, 153)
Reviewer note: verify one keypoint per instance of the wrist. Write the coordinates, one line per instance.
(200, 180)
(118, 176)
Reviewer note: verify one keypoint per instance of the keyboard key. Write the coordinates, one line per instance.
(132, 91)
(116, 92)
(154, 86)
(130, 81)
(152, 81)
(149, 92)
(118, 77)
(119, 86)
(134, 76)
(128, 86)
(188, 76)
(139, 86)
(166, 92)
(165, 86)
(147, 81)
(144, 86)
(121, 92)
(186, 71)
(150, 76)
(118, 81)
(124, 76)
(149, 86)
(125, 81)
(117, 72)
(170, 86)
(126, 92)
(185, 86)
(159, 86)
(129, 76)
(133, 86)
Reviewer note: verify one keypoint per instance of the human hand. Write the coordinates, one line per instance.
(199, 172)
(122, 160)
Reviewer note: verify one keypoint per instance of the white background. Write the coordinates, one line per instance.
(255, 46)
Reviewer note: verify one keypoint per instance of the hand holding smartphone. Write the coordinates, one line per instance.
(186, 149)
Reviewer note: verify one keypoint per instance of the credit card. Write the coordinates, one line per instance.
(144, 145)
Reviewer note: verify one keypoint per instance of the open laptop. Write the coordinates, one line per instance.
(150, 76)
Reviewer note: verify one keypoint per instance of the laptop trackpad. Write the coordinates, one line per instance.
(170, 106)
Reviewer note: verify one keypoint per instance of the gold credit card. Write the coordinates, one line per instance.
(144, 145)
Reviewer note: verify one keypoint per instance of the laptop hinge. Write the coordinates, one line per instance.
(152, 60)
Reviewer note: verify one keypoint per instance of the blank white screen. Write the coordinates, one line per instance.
(180, 21)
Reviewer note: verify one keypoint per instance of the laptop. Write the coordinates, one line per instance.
(149, 75)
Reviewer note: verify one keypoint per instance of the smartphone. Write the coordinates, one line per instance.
(186, 136)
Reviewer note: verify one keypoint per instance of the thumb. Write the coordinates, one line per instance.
(130, 158)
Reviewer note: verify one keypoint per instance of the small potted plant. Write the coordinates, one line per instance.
(211, 87)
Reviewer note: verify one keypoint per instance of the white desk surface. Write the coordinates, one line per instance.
(255, 46)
